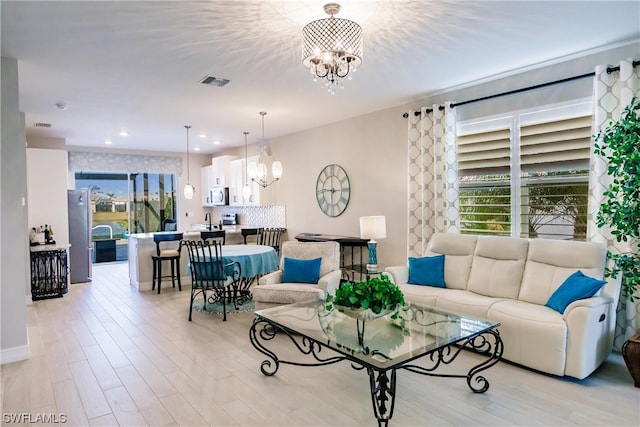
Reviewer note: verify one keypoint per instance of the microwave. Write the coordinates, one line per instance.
(219, 196)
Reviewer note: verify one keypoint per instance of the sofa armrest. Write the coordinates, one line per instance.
(590, 329)
(271, 278)
(330, 282)
(398, 274)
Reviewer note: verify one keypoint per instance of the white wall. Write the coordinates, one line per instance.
(14, 244)
(47, 190)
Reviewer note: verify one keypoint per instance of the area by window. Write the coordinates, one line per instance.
(526, 174)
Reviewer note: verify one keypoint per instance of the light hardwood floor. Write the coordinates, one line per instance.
(106, 354)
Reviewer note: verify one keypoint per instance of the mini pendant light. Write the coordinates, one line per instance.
(188, 188)
(246, 190)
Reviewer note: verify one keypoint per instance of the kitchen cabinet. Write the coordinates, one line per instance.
(221, 171)
(206, 177)
(259, 196)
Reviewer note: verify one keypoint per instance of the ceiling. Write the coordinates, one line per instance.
(136, 65)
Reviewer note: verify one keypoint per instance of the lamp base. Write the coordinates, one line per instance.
(372, 264)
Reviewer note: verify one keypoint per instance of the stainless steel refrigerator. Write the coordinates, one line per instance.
(80, 223)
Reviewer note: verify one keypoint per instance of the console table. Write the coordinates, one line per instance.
(353, 253)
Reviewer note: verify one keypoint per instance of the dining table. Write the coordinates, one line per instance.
(254, 260)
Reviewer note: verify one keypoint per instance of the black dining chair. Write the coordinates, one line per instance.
(168, 248)
(209, 273)
(246, 232)
(218, 235)
(271, 237)
(169, 224)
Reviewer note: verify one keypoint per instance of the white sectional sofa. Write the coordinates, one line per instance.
(509, 280)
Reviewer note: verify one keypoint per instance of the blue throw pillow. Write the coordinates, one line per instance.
(575, 287)
(301, 270)
(427, 271)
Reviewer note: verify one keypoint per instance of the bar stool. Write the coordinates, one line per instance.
(171, 254)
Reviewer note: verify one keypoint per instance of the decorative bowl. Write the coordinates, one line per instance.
(363, 314)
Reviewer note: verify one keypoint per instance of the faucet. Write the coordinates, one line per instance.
(207, 217)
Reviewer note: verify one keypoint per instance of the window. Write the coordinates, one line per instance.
(526, 174)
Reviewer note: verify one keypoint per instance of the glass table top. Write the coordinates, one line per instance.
(383, 342)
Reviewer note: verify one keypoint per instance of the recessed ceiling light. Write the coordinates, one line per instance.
(124, 133)
(203, 135)
(216, 142)
(108, 141)
(196, 149)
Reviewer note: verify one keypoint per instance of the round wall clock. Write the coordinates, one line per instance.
(333, 190)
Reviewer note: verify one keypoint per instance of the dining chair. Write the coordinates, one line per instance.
(210, 273)
(271, 237)
(168, 248)
(246, 232)
(218, 235)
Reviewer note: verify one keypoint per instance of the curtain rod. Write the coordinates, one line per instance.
(511, 92)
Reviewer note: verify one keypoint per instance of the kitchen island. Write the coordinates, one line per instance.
(141, 246)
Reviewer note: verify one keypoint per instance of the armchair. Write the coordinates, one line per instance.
(271, 291)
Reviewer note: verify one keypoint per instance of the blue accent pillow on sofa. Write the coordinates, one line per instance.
(575, 287)
(301, 270)
(427, 271)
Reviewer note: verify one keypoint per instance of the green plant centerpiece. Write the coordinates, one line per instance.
(367, 299)
(619, 144)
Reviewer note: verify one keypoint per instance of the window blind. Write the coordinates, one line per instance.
(482, 151)
(559, 144)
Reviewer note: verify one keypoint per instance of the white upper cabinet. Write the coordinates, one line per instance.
(206, 177)
(221, 175)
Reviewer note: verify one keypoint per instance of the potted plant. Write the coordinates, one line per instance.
(619, 144)
(367, 299)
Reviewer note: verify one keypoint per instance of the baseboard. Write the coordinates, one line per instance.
(14, 354)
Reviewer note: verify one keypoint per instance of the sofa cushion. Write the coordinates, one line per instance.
(426, 295)
(458, 250)
(575, 287)
(550, 262)
(533, 335)
(498, 265)
(427, 271)
(301, 270)
(469, 303)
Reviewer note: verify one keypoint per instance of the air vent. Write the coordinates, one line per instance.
(214, 81)
(42, 125)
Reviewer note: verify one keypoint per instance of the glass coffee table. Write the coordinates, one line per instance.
(423, 340)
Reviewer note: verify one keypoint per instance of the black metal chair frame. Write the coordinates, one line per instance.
(251, 232)
(209, 273)
(173, 260)
(271, 237)
(217, 234)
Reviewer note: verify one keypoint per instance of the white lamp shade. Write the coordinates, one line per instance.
(373, 227)
(188, 191)
(246, 191)
(262, 171)
(252, 170)
(276, 169)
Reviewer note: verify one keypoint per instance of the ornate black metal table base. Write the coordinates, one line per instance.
(382, 382)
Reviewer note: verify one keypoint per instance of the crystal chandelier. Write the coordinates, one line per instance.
(258, 171)
(332, 48)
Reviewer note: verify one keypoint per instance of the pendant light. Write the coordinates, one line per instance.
(246, 190)
(257, 171)
(188, 188)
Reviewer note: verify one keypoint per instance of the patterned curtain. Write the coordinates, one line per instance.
(111, 162)
(612, 92)
(433, 176)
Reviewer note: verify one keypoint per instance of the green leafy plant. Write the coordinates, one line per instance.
(619, 144)
(377, 294)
